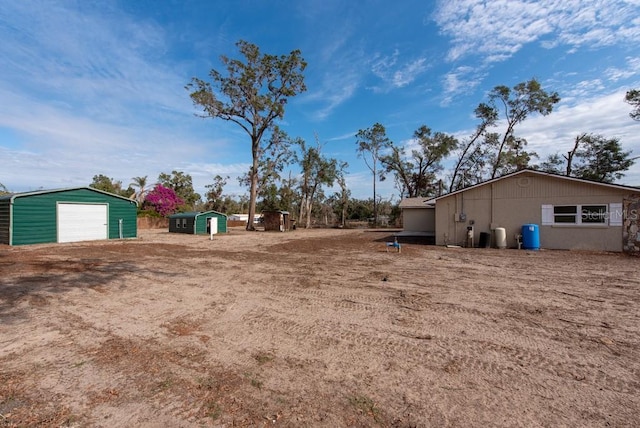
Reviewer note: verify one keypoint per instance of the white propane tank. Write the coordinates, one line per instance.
(501, 237)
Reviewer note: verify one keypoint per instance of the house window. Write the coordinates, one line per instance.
(580, 214)
(593, 214)
(565, 214)
(184, 223)
(177, 223)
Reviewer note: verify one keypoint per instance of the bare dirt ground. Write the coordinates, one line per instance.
(318, 328)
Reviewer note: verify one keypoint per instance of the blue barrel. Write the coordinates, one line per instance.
(530, 237)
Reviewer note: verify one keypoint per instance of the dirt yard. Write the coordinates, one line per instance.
(319, 328)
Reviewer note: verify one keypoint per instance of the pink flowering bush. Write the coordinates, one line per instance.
(163, 200)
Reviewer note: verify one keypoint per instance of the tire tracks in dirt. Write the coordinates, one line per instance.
(478, 352)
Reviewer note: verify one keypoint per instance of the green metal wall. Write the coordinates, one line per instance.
(34, 216)
(201, 222)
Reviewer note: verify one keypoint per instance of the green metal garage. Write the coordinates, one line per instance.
(65, 215)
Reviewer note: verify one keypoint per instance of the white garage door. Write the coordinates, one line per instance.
(82, 222)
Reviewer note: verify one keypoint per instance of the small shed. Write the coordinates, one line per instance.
(277, 221)
(66, 215)
(197, 222)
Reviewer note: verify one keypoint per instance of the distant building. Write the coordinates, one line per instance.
(277, 221)
(197, 223)
(244, 217)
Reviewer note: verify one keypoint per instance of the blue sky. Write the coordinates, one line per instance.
(92, 88)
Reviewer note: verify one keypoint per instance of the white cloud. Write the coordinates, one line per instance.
(88, 58)
(633, 68)
(202, 174)
(462, 79)
(335, 91)
(330, 89)
(581, 90)
(394, 73)
(498, 29)
(347, 136)
(409, 73)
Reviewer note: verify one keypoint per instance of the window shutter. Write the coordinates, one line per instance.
(615, 214)
(547, 215)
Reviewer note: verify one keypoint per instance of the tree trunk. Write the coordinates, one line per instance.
(572, 153)
(253, 190)
(508, 133)
(375, 206)
(307, 207)
(496, 165)
(302, 207)
(461, 160)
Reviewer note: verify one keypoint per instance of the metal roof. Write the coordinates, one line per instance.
(193, 214)
(417, 203)
(275, 211)
(12, 196)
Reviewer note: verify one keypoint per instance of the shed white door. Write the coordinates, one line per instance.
(82, 222)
